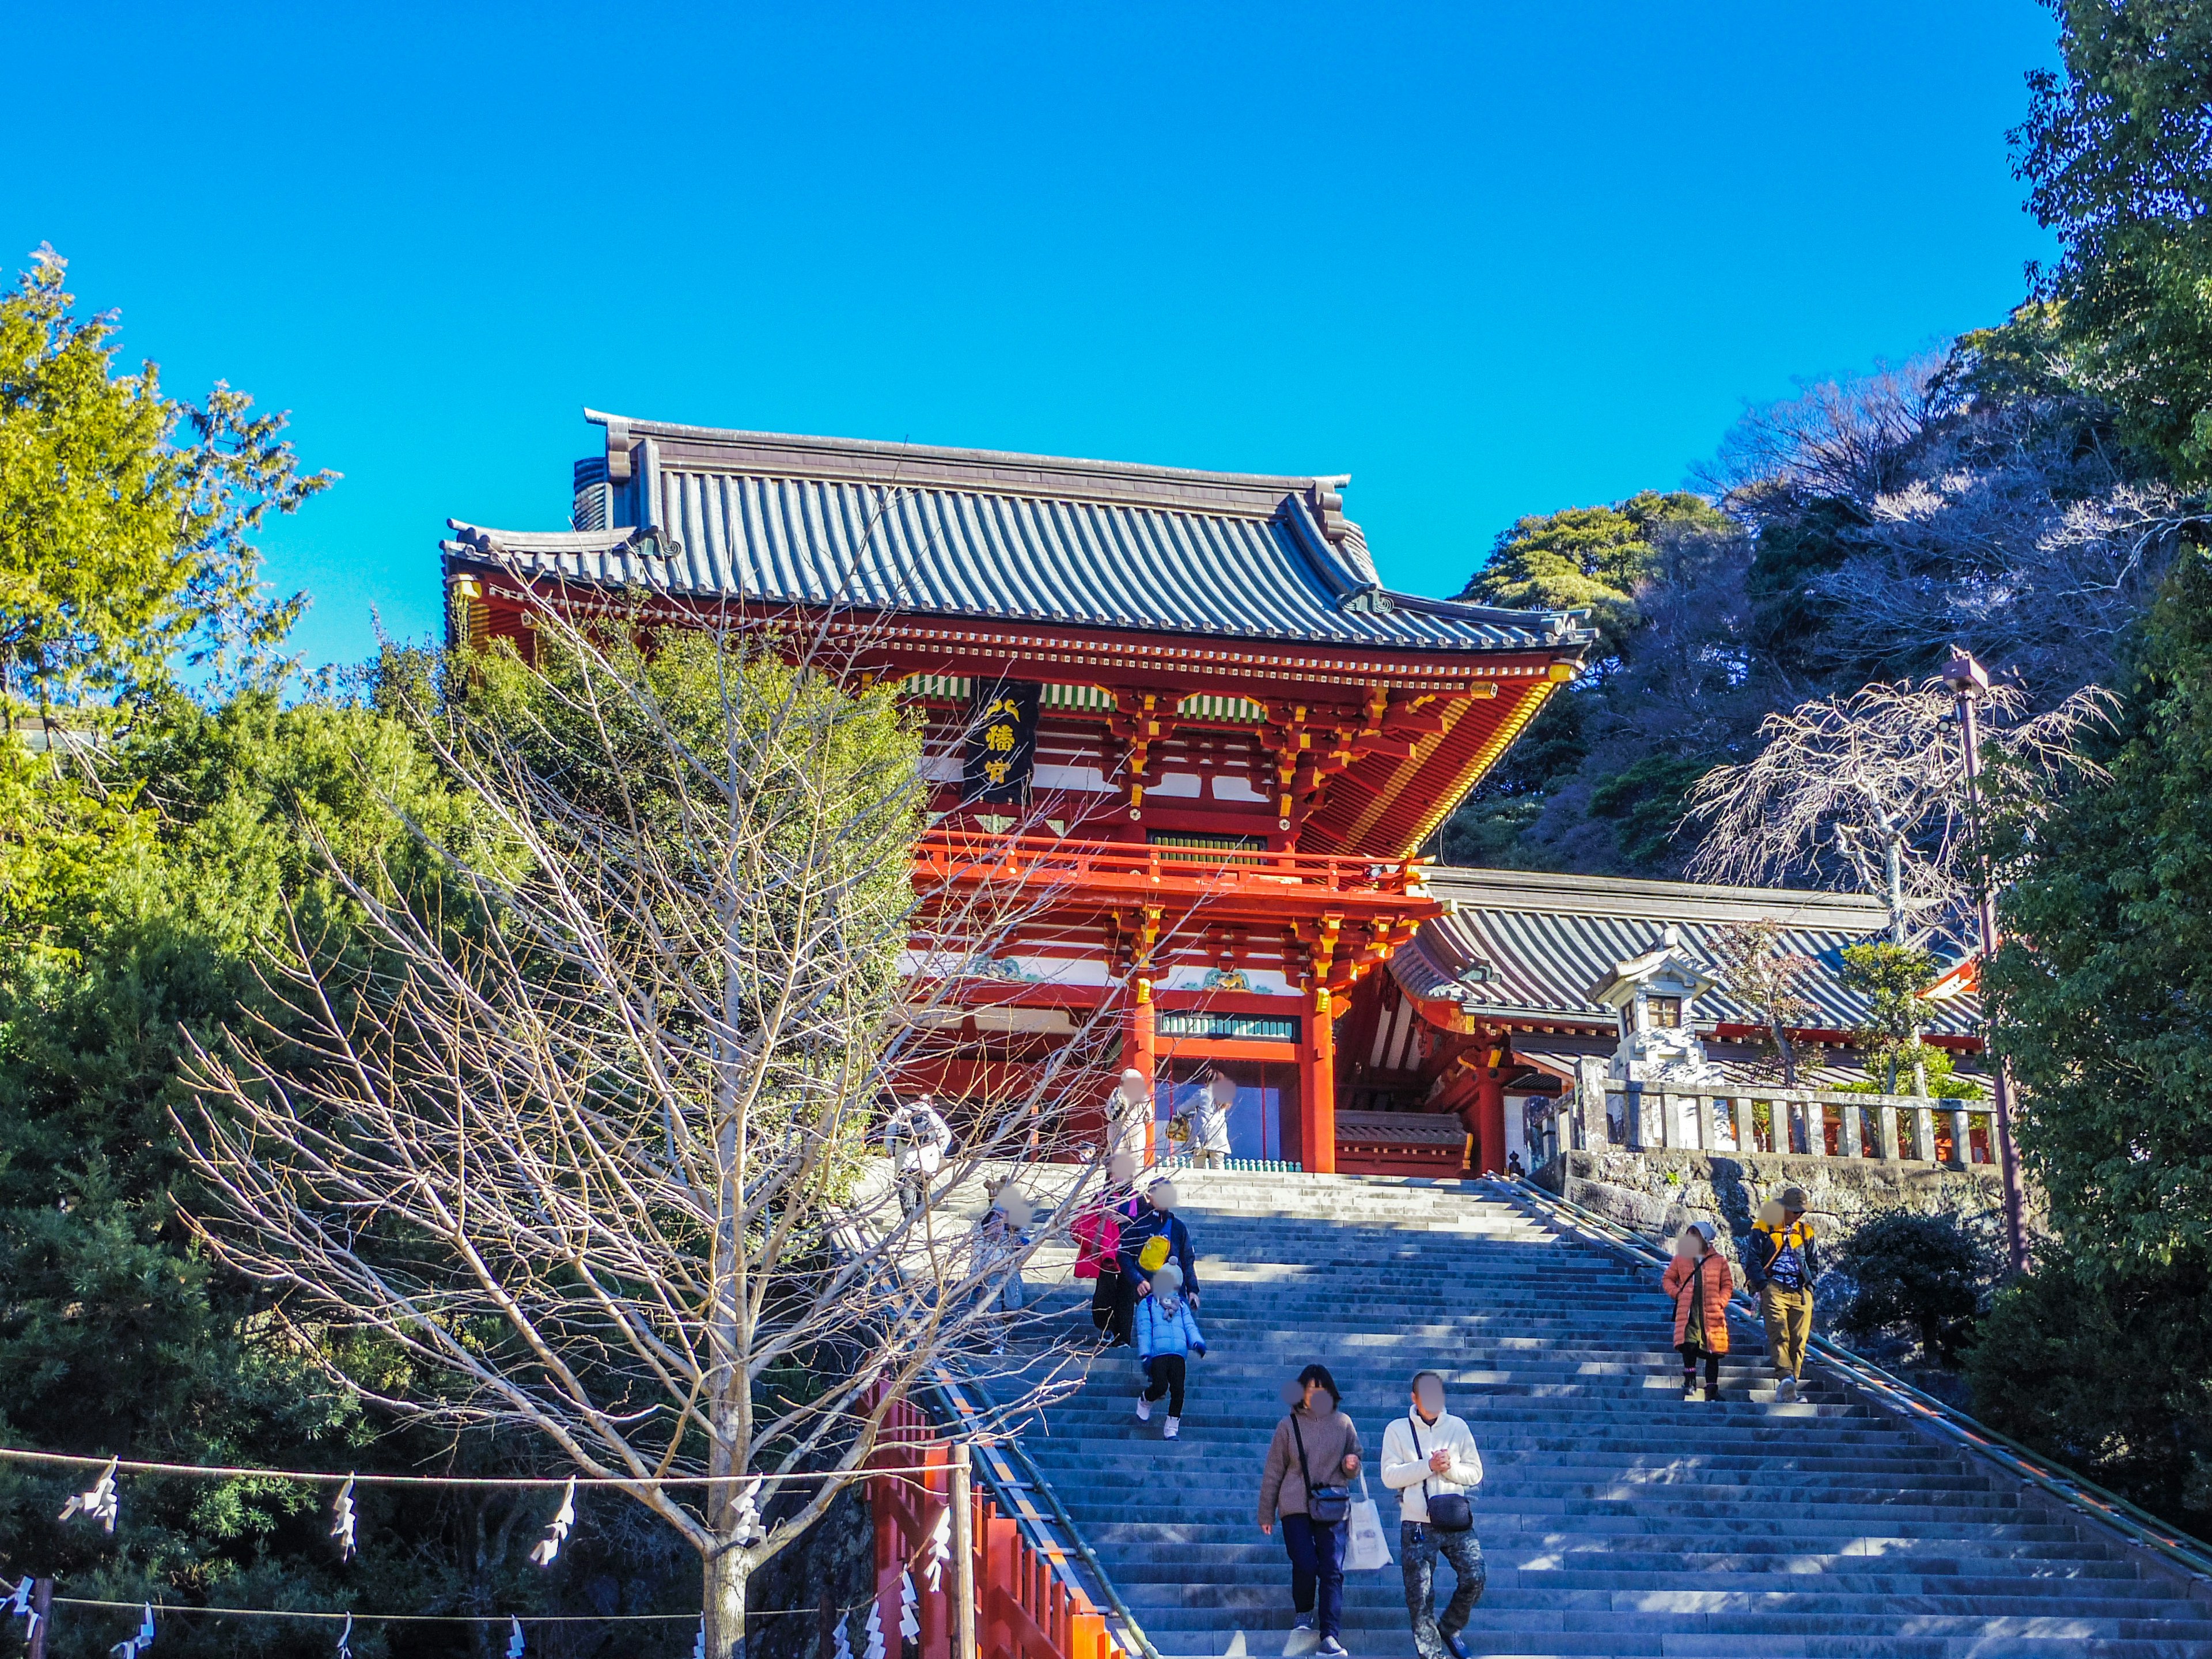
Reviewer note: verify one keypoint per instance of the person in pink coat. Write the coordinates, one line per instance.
(1097, 1233)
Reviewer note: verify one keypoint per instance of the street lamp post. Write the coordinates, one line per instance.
(1969, 681)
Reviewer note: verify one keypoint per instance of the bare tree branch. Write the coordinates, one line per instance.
(586, 1139)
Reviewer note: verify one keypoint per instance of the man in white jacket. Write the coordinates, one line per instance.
(1428, 1454)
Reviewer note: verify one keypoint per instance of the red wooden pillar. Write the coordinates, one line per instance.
(1317, 1089)
(1139, 1050)
(1489, 1115)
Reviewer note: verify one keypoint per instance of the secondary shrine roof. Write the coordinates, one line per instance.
(1521, 946)
(768, 518)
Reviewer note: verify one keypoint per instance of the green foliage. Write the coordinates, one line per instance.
(1788, 617)
(1928, 1276)
(1936, 1066)
(2105, 1369)
(2103, 983)
(120, 547)
(2099, 995)
(1645, 799)
(2118, 158)
(1892, 976)
(143, 891)
(1588, 558)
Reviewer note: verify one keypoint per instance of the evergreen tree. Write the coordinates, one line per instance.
(2101, 995)
(2117, 153)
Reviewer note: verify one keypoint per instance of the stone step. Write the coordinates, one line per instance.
(1617, 1519)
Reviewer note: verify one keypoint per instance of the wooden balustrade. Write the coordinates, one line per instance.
(1025, 1606)
(1803, 1122)
(953, 859)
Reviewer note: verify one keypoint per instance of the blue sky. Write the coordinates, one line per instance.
(1488, 259)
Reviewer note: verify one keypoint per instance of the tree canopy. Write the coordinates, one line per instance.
(2117, 152)
(122, 548)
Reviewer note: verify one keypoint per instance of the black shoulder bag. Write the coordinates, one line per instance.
(1448, 1511)
(1327, 1504)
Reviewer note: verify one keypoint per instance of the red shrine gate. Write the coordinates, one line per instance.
(1182, 700)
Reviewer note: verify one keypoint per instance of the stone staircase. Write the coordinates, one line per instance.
(1615, 1519)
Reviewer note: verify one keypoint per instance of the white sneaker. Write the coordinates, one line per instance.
(1786, 1388)
(1143, 1409)
(1304, 1621)
(1173, 1428)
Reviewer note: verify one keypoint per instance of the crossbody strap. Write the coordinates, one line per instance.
(1305, 1470)
(1414, 1423)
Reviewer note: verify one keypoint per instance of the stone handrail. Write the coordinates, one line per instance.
(1742, 1118)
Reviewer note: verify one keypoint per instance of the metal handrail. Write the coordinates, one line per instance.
(1000, 1440)
(2080, 1494)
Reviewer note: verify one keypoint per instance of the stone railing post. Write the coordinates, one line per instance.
(1632, 1115)
(1962, 1140)
(1850, 1140)
(1885, 1127)
(1923, 1133)
(1589, 1102)
(1747, 1125)
(1708, 1134)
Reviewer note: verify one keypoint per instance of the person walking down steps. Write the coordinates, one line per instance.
(1782, 1266)
(1155, 1221)
(1429, 1460)
(1311, 1462)
(1167, 1335)
(1699, 1281)
(1209, 1123)
(1097, 1234)
(915, 1137)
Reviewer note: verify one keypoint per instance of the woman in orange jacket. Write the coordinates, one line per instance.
(1699, 1281)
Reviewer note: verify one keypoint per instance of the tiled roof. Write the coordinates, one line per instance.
(771, 518)
(1548, 939)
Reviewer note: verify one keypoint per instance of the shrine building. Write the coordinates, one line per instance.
(1188, 699)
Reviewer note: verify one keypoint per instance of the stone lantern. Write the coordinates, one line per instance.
(1654, 998)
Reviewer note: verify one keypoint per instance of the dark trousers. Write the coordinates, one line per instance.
(1105, 1298)
(1165, 1372)
(1125, 1308)
(1418, 1546)
(1690, 1353)
(1316, 1550)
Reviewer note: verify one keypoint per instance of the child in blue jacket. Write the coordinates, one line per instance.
(1167, 1334)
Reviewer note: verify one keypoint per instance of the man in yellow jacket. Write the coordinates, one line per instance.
(1780, 1263)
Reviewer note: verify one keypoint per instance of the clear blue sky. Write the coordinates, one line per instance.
(1490, 259)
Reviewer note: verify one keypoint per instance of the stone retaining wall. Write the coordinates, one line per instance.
(1659, 1192)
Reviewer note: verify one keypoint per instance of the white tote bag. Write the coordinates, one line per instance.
(1367, 1550)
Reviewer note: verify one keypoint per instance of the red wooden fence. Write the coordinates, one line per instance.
(1023, 1608)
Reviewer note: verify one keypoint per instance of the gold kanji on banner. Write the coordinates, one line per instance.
(1001, 744)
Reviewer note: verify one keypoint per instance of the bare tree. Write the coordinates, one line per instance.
(1867, 790)
(1766, 978)
(1837, 440)
(584, 1139)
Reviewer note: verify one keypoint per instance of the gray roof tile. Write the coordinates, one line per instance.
(1548, 939)
(777, 520)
